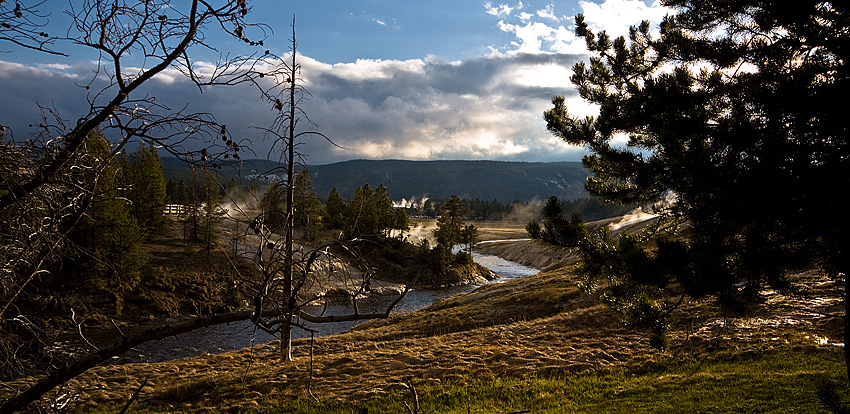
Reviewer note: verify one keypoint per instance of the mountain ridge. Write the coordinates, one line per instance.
(504, 181)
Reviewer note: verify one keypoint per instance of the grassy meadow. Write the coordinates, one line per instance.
(536, 344)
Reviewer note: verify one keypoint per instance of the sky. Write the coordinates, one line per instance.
(388, 79)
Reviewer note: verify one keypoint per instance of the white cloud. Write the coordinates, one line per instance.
(543, 76)
(501, 10)
(616, 16)
(55, 66)
(548, 13)
(480, 108)
(530, 36)
(485, 108)
(535, 33)
(12, 70)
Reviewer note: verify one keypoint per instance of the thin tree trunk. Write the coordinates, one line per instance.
(844, 268)
(846, 331)
(286, 333)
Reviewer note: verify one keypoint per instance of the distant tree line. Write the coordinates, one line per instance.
(371, 219)
(201, 200)
(478, 209)
(370, 214)
(590, 209)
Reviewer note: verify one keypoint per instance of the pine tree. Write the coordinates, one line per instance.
(180, 194)
(308, 209)
(371, 214)
(382, 208)
(211, 214)
(731, 117)
(360, 218)
(273, 204)
(468, 237)
(108, 238)
(451, 222)
(335, 208)
(147, 189)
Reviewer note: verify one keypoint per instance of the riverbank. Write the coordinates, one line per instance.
(525, 252)
(510, 241)
(525, 331)
(524, 334)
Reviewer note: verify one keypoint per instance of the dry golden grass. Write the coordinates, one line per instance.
(539, 325)
(500, 230)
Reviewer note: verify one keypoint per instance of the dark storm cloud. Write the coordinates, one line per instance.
(482, 108)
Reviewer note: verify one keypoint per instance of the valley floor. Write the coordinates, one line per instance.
(539, 326)
(535, 344)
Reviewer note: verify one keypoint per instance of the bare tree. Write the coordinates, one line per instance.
(23, 24)
(295, 278)
(48, 184)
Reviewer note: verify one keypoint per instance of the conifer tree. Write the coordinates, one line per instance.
(360, 218)
(273, 203)
(108, 238)
(211, 214)
(450, 225)
(371, 214)
(335, 208)
(469, 236)
(732, 123)
(308, 209)
(170, 190)
(382, 208)
(147, 189)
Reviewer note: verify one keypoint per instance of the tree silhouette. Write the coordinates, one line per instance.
(335, 208)
(106, 242)
(290, 272)
(450, 225)
(732, 135)
(308, 209)
(48, 184)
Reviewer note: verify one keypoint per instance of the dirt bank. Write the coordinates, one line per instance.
(496, 240)
(524, 252)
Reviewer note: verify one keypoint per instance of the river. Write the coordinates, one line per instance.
(239, 335)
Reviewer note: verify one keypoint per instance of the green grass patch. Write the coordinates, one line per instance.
(774, 382)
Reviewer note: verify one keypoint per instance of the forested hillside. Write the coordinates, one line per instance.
(484, 180)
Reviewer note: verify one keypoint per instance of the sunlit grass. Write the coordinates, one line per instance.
(783, 381)
(536, 345)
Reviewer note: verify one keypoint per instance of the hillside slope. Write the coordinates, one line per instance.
(484, 180)
(539, 326)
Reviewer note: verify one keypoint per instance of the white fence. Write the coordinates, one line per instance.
(175, 209)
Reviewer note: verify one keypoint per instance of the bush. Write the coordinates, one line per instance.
(463, 258)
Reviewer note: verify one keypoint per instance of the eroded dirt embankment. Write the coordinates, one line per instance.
(524, 252)
(509, 240)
